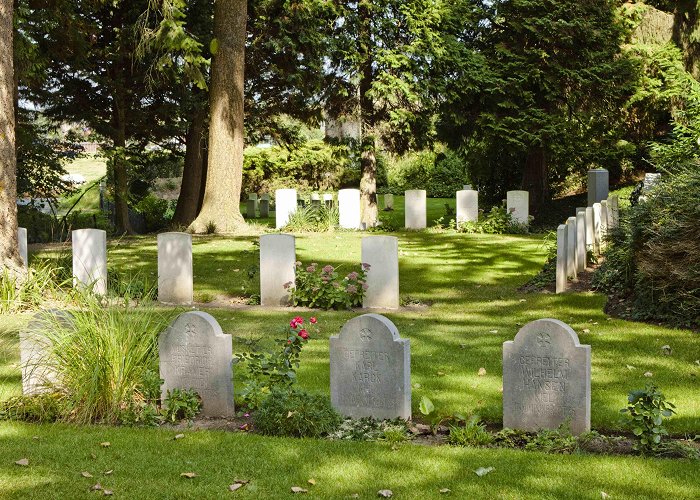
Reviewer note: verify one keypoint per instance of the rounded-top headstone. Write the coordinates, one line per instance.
(196, 354)
(371, 369)
(546, 378)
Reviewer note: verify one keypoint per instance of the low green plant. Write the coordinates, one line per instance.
(41, 282)
(181, 404)
(210, 227)
(41, 408)
(553, 441)
(647, 409)
(474, 433)
(371, 429)
(297, 414)
(129, 286)
(323, 287)
(312, 218)
(436, 419)
(276, 369)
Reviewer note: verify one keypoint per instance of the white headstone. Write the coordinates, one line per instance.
(175, 274)
(277, 268)
(22, 242)
(597, 211)
(546, 378)
(388, 201)
(562, 234)
(38, 375)
(382, 254)
(195, 354)
(650, 180)
(285, 206)
(518, 205)
(603, 220)
(349, 207)
(598, 185)
(614, 207)
(252, 206)
(571, 247)
(467, 206)
(581, 240)
(415, 209)
(371, 369)
(90, 259)
(590, 229)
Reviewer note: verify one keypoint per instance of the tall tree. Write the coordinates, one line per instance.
(379, 74)
(9, 252)
(221, 204)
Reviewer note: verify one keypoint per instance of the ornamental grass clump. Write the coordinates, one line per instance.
(103, 357)
(325, 288)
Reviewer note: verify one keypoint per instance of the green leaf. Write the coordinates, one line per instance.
(426, 406)
(214, 46)
(637, 431)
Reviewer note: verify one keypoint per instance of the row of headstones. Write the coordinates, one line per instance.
(415, 206)
(583, 233)
(278, 267)
(546, 371)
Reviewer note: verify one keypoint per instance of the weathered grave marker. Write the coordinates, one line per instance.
(415, 209)
(467, 206)
(35, 350)
(371, 369)
(562, 245)
(598, 185)
(546, 378)
(518, 205)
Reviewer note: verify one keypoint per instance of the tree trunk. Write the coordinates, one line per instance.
(188, 201)
(536, 178)
(368, 161)
(221, 205)
(121, 175)
(9, 252)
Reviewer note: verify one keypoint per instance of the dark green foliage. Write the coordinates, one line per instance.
(181, 405)
(647, 409)
(297, 414)
(156, 212)
(653, 257)
(325, 288)
(441, 174)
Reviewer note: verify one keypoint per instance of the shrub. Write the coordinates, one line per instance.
(42, 282)
(653, 256)
(323, 287)
(647, 409)
(277, 369)
(297, 414)
(181, 405)
(155, 212)
(41, 408)
(442, 174)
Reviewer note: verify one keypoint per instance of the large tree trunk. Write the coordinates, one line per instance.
(9, 252)
(188, 201)
(368, 161)
(221, 205)
(536, 178)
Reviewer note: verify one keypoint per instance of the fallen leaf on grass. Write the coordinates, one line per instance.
(482, 372)
(22, 462)
(236, 486)
(648, 374)
(604, 495)
(188, 475)
(385, 493)
(312, 482)
(298, 489)
(445, 490)
(85, 474)
(667, 349)
(108, 472)
(630, 367)
(96, 487)
(586, 330)
(493, 331)
(178, 436)
(106, 444)
(482, 471)
(440, 374)
(108, 493)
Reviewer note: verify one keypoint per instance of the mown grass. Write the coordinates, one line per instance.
(468, 288)
(147, 463)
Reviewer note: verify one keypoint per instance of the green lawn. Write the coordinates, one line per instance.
(147, 463)
(470, 282)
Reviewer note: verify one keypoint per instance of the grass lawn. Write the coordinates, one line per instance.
(147, 463)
